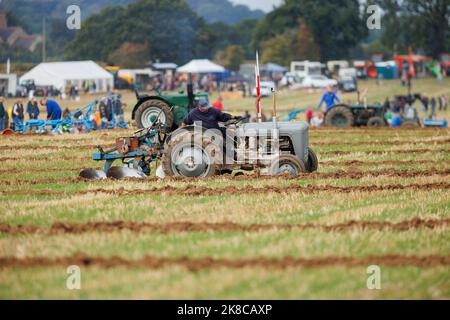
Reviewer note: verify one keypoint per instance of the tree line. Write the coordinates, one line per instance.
(170, 30)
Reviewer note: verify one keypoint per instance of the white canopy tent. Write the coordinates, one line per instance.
(200, 66)
(61, 74)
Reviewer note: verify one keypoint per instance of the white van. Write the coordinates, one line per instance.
(306, 68)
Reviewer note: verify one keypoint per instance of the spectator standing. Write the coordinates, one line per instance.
(425, 102)
(2, 114)
(433, 107)
(18, 113)
(109, 109)
(33, 109)
(218, 104)
(119, 111)
(103, 111)
(443, 102)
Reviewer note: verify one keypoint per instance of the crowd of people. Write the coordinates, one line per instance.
(110, 109)
(14, 116)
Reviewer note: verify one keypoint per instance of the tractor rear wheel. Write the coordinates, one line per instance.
(340, 117)
(288, 163)
(313, 163)
(375, 122)
(189, 156)
(152, 110)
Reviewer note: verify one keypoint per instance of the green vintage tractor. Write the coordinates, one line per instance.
(169, 109)
(355, 115)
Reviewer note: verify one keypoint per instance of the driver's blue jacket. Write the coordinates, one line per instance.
(330, 99)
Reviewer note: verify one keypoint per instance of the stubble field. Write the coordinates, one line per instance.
(380, 197)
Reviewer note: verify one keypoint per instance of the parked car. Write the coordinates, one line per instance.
(291, 80)
(266, 88)
(318, 81)
(348, 84)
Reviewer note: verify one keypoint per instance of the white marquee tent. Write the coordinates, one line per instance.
(60, 74)
(200, 66)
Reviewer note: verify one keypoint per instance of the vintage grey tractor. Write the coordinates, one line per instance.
(270, 147)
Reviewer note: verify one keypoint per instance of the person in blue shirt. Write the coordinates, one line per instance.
(330, 98)
(53, 109)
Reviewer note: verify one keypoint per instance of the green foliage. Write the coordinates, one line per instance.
(130, 55)
(277, 49)
(31, 12)
(223, 11)
(19, 54)
(232, 57)
(417, 23)
(169, 27)
(334, 27)
(217, 36)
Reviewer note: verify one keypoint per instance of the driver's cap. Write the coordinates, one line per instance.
(203, 103)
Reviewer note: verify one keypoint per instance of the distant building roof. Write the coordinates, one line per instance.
(164, 65)
(16, 36)
(200, 66)
(29, 42)
(11, 34)
(273, 67)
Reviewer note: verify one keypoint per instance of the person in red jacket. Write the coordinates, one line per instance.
(218, 104)
(309, 114)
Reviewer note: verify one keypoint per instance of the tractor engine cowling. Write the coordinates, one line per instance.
(255, 140)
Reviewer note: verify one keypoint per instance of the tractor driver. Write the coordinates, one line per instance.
(330, 98)
(208, 116)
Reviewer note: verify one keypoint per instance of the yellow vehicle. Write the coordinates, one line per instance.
(120, 82)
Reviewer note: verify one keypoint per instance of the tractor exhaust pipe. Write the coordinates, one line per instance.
(136, 92)
(190, 92)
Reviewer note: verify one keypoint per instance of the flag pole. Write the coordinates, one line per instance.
(258, 89)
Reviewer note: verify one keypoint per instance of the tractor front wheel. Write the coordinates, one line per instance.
(312, 163)
(152, 111)
(288, 164)
(340, 117)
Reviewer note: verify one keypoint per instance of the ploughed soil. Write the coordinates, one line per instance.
(404, 151)
(195, 264)
(166, 228)
(339, 174)
(378, 143)
(350, 163)
(194, 190)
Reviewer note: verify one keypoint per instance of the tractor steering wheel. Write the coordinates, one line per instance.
(235, 120)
